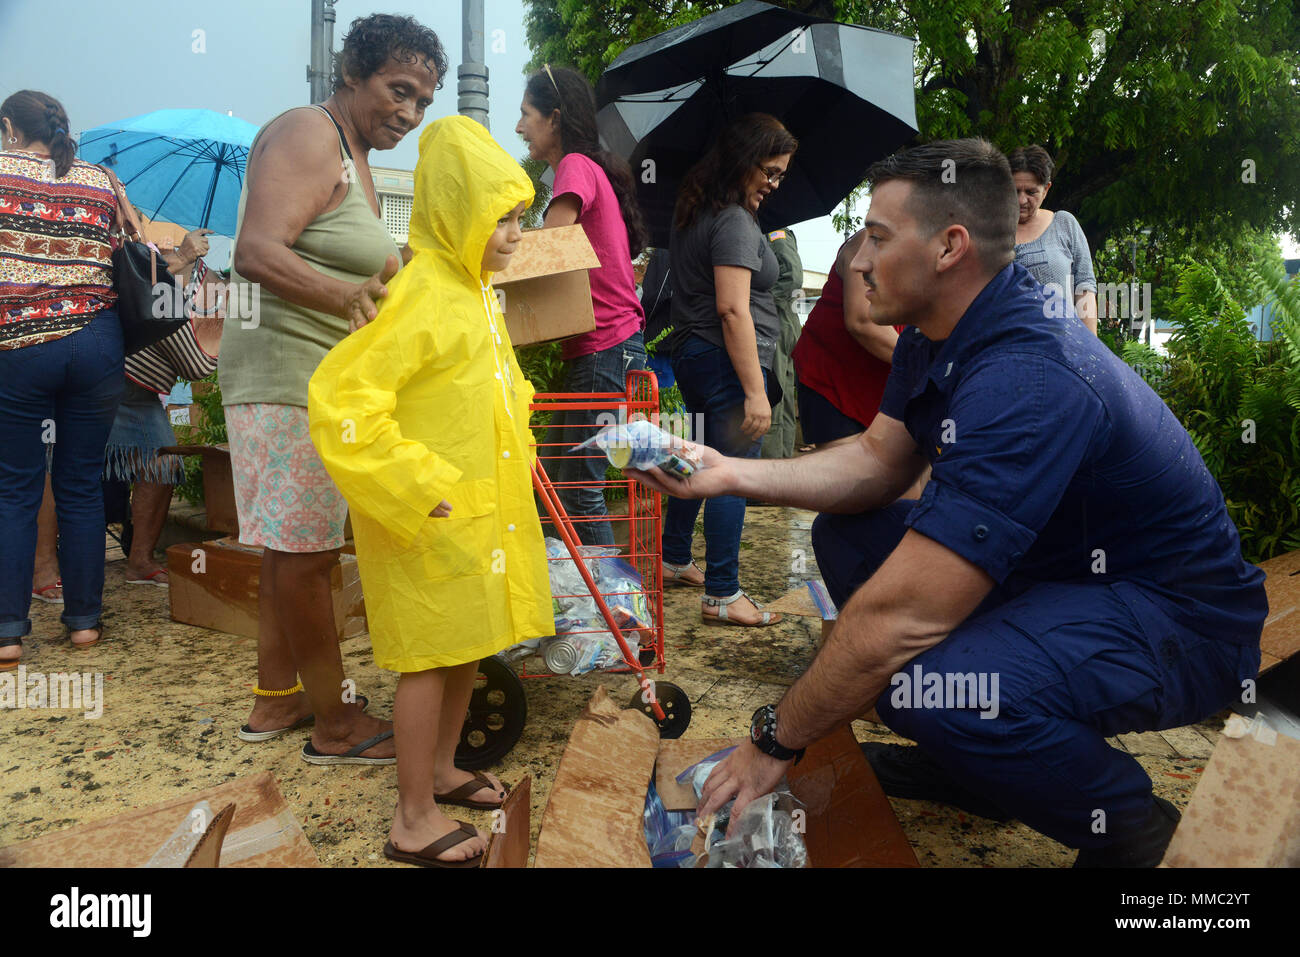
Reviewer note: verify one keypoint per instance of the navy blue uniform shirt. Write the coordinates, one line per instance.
(1053, 461)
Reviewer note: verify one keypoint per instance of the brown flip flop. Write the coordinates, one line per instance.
(459, 797)
(429, 856)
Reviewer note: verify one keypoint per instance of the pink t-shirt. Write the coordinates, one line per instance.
(613, 286)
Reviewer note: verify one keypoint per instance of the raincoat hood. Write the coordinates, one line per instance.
(464, 183)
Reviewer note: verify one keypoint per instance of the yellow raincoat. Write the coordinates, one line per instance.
(426, 403)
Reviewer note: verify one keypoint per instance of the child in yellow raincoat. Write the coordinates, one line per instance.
(421, 418)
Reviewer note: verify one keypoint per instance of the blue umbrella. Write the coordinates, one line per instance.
(183, 166)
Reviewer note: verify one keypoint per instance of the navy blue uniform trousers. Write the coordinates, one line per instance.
(1076, 663)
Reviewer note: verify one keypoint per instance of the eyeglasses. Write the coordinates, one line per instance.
(774, 174)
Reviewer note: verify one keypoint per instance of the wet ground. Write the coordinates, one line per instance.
(175, 695)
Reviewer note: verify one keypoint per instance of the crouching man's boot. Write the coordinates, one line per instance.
(1143, 846)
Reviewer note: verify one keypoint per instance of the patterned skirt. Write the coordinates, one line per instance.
(285, 498)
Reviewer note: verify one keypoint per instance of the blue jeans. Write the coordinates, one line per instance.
(711, 390)
(604, 371)
(66, 392)
(1075, 662)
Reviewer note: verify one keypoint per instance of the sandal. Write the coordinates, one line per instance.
(152, 579)
(350, 756)
(10, 665)
(429, 856)
(722, 618)
(673, 574)
(246, 733)
(42, 594)
(82, 645)
(460, 796)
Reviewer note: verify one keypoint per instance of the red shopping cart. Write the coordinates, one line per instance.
(498, 707)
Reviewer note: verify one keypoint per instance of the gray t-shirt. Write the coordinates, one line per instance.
(1060, 256)
(730, 237)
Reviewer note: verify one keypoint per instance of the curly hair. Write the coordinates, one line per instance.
(1032, 159)
(40, 117)
(374, 40)
(570, 93)
(718, 180)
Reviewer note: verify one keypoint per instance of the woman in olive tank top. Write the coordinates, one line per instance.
(311, 258)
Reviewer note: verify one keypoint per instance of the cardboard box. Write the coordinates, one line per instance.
(593, 817)
(1281, 637)
(218, 485)
(262, 833)
(217, 589)
(1246, 809)
(545, 293)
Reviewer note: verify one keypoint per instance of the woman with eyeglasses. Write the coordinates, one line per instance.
(726, 331)
(594, 188)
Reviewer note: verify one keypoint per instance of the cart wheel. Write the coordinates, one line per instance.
(677, 709)
(495, 720)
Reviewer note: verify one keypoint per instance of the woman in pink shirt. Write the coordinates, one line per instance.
(594, 188)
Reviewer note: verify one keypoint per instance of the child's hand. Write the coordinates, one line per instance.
(442, 511)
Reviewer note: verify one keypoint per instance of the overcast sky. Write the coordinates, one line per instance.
(254, 64)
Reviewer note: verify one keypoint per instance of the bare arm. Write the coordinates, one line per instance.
(917, 597)
(293, 175)
(563, 211)
(1085, 304)
(869, 472)
(731, 299)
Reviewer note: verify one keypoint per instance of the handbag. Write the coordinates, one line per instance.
(148, 298)
(180, 355)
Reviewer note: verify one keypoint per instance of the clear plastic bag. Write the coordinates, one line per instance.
(641, 445)
(768, 832)
(668, 834)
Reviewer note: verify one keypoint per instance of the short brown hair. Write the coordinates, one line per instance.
(967, 182)
(1032, 159)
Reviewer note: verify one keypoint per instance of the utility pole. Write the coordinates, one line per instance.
(472, 74)
(320, 73)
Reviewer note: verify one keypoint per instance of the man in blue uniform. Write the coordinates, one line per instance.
(1070, 572)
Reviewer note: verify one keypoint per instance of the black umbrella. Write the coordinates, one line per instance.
(675, 56)
(845, 92)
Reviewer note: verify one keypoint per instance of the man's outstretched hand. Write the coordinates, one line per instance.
(745, 774)
(714, 478)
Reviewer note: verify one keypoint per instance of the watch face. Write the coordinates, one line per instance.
(755, 734)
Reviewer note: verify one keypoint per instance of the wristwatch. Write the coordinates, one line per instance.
(762, 731)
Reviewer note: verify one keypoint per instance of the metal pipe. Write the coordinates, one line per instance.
(472, 74)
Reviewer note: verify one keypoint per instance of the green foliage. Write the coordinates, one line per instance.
(1238, 398)
(1143, 103)
(211, 430)
(532, 218)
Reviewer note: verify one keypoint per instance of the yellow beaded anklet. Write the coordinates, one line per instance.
(277, 694)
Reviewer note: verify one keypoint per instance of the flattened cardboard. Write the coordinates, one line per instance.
(508, 847)
(1281, 637)
(223, 596)
(545, 292)
(594, 815)
(262, 833)
(1246, 809)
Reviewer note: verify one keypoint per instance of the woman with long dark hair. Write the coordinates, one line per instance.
(595, 189)
(726, 330)
(60, 361)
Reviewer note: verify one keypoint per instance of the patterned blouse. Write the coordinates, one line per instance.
(56, 267)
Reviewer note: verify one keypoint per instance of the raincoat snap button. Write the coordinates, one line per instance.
(510, 528)
(981, 532)
(505, 454)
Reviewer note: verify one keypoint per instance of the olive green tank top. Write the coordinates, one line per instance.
(270, 347)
